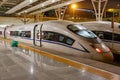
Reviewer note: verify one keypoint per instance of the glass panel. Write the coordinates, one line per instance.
(53, 36)
(50, 36)
(61, 38)
(69, 41)
(12, 33)
(99, 34)
(0, 32)
(107, 35)
(81, 31)
(25, 34)
(117, 37)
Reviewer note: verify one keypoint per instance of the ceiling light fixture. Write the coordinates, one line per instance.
(43, 5)
(21, 5)
(53, 1)
(30, 1)
(46, 3)
(56, 6)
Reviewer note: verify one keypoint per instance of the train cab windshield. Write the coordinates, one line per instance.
(81, 31)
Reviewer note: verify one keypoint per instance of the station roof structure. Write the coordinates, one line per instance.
(12, 7)
(8, 7)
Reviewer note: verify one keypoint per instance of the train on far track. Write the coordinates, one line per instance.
(59, 35)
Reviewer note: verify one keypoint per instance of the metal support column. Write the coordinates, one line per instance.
(25, 20)
(60, 12)
(99, 10)
(38, 17)
(41, 15)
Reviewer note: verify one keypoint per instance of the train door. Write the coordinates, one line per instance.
(37, 35)
(5, 33)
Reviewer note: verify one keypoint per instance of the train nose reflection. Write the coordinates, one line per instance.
(37, 58)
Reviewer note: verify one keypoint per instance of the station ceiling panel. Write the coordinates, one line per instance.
(13, 7)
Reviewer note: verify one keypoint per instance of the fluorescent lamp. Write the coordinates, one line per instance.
(30, 1)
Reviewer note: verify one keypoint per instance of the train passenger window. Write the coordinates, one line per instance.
(116, 37)
(107, 35)
(13, 33)
(53, 36)
(45, 35)
(69, 41)
(26, 34)
(38, 34)
(16, 33)
(0, 32)
(61, 38)
(100, 34)
(49, 36)
(110, 36)
(104, 35)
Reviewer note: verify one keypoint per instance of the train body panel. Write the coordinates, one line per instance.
(63, 36)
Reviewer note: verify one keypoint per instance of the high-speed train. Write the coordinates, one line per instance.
(103, 29)
(63, 36)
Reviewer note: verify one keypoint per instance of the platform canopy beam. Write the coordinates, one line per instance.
(60, 12)
(97, 5)
(56, 6)
(20, 6)
(3, 1)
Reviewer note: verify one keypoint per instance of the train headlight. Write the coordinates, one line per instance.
(98, 50)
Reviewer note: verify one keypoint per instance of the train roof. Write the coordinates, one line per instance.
(61, 22)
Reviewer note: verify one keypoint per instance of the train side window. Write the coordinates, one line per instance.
(99, 34)
(117, 37)
(45, 35)
(50, 36)
(16, 33)
(13, 33)
(0, 32)
(26, 34)
(61, 38)
(69, 41)
(38, 34)
(107, 35)
(53, 36)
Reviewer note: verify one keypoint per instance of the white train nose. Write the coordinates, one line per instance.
(104, 53)
(104, 57)
(101, 48)
(108, 57)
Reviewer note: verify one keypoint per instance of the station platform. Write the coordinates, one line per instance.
(17, 63)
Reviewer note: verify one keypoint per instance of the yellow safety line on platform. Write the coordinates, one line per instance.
(100, 72)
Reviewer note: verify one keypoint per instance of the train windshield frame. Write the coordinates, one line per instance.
(81, 31)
